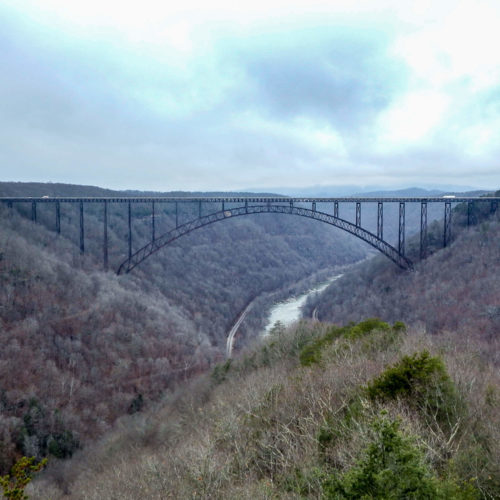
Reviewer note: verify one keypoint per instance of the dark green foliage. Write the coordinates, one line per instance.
(399, 326)
(220, 371)
(33, 417)
(311, 353)
(282, 345)
(392, 467)
(43, 433)
(423, 381)
(136, 404)
(62, 445)
(366, 327)
(410, 377)
(325, 436)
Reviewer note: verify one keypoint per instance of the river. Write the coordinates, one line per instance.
(290, 310)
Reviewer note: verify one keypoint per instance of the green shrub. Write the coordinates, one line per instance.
(62, 445)
(325, 436)
(422, 380)
(392, 467)
(367, 326)
(409, 377)
(220, 371)
(311, 353)
(399, 326)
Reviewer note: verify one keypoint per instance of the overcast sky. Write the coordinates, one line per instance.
(140, 95)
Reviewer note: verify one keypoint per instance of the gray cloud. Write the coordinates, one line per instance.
(337, 75)
(247, 111)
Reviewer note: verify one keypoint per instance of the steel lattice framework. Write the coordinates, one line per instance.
(156, 244)
(249, 205)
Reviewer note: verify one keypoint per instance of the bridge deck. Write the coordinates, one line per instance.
(242, 199)
(246, 205)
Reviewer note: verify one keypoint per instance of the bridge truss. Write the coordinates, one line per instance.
(223, 208)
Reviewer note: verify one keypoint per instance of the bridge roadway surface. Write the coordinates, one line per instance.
(251, 199)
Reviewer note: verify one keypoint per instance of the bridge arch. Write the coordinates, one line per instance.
(170, 236)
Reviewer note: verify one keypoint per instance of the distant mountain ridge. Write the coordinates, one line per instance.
(8, 189)
(62, 189)
(356, 190)
(418, 193)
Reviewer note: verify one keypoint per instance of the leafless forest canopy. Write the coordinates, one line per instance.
(81, 347)
(121, 380)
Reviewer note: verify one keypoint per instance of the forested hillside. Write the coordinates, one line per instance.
(213, 272)
(455, 289)
(367, 410)
(81, 347)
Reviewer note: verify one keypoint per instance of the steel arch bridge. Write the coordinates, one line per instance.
(153, 246)
(247, 205)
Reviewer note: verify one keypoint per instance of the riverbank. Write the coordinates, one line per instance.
(289, 311)
(257, 319)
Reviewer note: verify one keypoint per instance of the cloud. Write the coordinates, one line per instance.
(222, 99)
(331, 73)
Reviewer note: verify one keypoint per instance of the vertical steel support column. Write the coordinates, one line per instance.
(129, 230)
(314, 206)
(401, 246)
(380, 220)
(447, 224)
(9, 205)
(199, 210)
(58, 217)
(336, 209)
(246, 206)
(469, 213)
(423, 230)
(494, 206)
(105, 237)
(153, 227)
(358, 214)
(82, 235)
(291, 205)
(177, 214)
(33, 211)
(223, 206)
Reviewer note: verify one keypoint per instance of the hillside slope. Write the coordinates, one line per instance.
(367, 411)
(213, 272)
(455, 289)
(322, 411)
(82, 347)
(79, 346)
